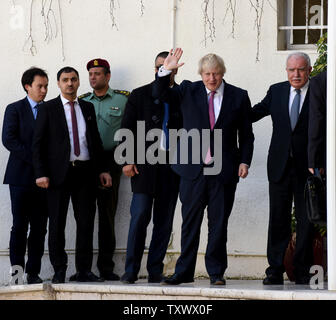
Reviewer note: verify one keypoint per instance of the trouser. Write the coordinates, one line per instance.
(80, 186)
(163, 205)
(29, 208)
(282, 193)
(196, 195)
(107, 202)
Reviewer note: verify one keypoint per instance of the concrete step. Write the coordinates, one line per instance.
(141, 290)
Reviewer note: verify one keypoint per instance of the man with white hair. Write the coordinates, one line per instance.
(288, 103)
(214, 105)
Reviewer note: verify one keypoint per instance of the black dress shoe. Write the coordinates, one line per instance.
(128, 278)
(217, 281)
(59, 277)
(176, 279)
(155, 278)
(85, 277)
(110, 276)
(273, 280)
(33, 279)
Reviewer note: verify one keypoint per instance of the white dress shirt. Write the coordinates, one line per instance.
(292, 95)
(84, 152)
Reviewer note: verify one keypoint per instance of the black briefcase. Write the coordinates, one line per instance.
(316, 199)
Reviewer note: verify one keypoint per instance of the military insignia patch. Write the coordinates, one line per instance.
(123, 92)
(84, 95)
(95, 63)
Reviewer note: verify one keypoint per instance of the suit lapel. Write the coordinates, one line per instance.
(284, 104)
(60, 114)
(304, 111)
(28, 112)
(84, 111)
(226, 102)
(156, 106)
(204, 106)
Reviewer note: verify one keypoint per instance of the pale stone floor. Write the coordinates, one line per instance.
(234, 289)
(200, 289)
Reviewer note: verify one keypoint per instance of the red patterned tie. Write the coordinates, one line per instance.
(74, 129)
(212, 122)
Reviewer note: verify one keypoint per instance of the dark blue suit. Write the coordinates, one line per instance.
(216, 192)
(28, 201)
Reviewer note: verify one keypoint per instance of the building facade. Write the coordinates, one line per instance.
(254, 42)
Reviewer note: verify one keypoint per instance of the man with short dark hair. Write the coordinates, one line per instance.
(287, 166)
(109, 107)
(67, 157)
(154, 186)
(29, 203)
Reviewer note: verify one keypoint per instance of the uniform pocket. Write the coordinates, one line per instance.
(114, 112)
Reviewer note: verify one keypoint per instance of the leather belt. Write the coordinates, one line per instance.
(80, 163)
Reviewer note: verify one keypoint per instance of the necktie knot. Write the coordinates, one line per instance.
(298, 91)
(35, 110)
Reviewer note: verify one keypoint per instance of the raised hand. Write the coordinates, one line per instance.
(171, 62)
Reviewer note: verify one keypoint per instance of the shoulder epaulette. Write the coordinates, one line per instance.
(84, 95)
(124, 92)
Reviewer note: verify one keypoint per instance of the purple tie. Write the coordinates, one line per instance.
(74, 129)
(212, 110)
(212, 118)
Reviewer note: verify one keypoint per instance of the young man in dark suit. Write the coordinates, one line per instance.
(208, 105)
(67, 158)
(29, 203)
(154, 186)
(288, 105)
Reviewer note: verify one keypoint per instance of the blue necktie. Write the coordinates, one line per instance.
(294, 114)
(35, 110)
(164, 125)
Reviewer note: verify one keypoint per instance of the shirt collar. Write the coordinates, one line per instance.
(109, 92)
(65, 101)
(304, 88)
(219, 91)
(32, 102)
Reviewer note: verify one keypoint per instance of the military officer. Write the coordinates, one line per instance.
(109, 106)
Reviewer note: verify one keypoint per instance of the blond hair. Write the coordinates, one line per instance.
(210, 61)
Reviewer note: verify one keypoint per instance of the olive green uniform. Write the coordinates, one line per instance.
(109, 112)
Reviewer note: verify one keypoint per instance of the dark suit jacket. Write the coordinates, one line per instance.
(317, 121)
(142, 106)
(51, 143)
(17, 137)
(283, 139)
(191, 98)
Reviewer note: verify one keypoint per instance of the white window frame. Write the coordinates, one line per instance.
(291, 27)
